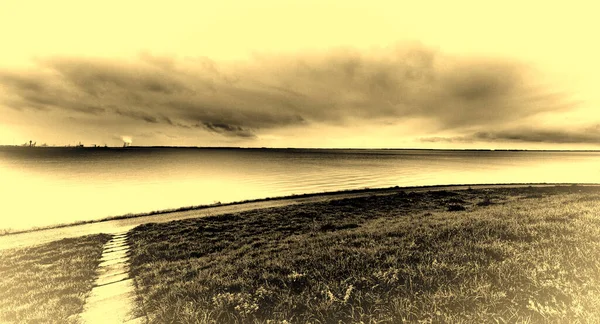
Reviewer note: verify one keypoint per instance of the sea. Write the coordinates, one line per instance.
(44, 186)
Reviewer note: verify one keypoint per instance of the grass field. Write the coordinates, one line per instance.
(470, 256)
(48, 283)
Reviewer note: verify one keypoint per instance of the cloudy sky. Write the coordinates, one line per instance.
(413, 74)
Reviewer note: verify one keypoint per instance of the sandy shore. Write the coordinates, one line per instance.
(122, 225)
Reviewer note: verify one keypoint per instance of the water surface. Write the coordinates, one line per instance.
(45, 186)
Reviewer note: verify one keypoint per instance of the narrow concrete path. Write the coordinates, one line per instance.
(123, 225)
(113, 296)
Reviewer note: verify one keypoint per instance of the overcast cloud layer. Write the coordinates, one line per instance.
(588, 135)
(484, 99)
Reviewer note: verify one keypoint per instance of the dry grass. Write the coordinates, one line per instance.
(513, 255)
(48, 283)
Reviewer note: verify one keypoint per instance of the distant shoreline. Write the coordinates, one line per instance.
(287, 148)
(338, 194)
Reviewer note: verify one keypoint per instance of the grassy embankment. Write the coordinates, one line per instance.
(48, 283)
(10, 231)
(529, 254)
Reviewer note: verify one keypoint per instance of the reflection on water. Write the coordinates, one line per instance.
(43, 186)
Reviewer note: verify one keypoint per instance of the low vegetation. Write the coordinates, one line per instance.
(10, 231)
(48, 283)
(495, 255)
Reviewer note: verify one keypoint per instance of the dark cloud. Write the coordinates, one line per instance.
(586, 135)
(583, 135)
(244, 99)
(228, 130)
(138, 115)
(25, 82)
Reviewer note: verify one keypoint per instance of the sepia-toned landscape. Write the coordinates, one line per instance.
(299, 162)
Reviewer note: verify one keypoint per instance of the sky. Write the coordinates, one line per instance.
(361, 74)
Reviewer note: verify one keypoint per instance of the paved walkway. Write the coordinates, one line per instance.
(124, 225)
(112, 299)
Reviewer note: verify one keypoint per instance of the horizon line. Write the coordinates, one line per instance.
(295, 148)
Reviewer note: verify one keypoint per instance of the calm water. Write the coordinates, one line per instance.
(43, 186)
